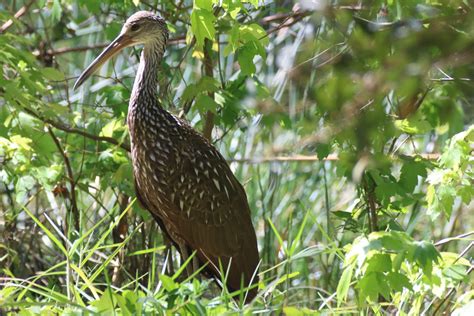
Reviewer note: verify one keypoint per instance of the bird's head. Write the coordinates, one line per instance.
(142, 27)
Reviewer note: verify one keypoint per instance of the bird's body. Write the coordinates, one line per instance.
(179, 176)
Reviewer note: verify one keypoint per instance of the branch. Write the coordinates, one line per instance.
(289, 20)
(72, 130)
(209, 71)
(371, 200)
(296, 16)
(74, 209)
(283, 16)
(449, 239)
(66, 50)
(17, 15)
(314, 158)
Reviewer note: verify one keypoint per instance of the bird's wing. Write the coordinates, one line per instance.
(212, 213)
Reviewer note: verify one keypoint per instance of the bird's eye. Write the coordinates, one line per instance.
(135, 27)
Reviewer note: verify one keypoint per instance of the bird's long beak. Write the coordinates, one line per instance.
(110, 51)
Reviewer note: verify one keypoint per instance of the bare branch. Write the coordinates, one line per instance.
(313, 158)
(208, 71)
(73, 130)
(66, 50)
(74, 208)
(17, 15)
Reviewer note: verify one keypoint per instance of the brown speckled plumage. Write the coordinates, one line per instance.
(179, 176)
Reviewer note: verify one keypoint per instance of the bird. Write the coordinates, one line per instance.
(180, 177)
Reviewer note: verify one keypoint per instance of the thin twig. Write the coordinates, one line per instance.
(73, 130)
(208, 71)
(369, 189)
(448, 239)
(66, 50)
(314, 158)
(289, 21)
(17, 15)
(74, 208)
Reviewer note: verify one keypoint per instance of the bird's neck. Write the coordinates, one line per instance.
(145, 113)
(146, 80)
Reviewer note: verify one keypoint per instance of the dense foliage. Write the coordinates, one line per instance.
(350, 124)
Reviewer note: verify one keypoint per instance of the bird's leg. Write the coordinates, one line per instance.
(169, 263)
(184, 257)
(195, 263)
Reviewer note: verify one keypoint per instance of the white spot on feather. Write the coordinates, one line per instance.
(226, 192)
(216, 182)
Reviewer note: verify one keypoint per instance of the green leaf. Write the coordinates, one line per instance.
(323, 150)
(398, 281)
(168, 283)
(344, 283)
(22, 187)
(379, 262)
(93, 6)
(275, 230)
(409, 174)
(21, 141)
(285, 277)
(105, 303)
(387, 189)
(292, 311)
(47, 176)
(52, 74)
(395, 241)
(369, 287)
(446, 195)
(207, 84)
(202, 25)
(56, 11)
(51, 236)
(205, 103)
(203, 4)
(425, 255)
(114, 125)
(122, 303)
(398, 260)
(296, 241)
(466, 193)
(245, 57)
(145, 251)
(452, 157)
(456, 272)
(413, 125)
(133, 302)
(233, 36)
(450, 258)
(232, 7)
(253, 2)
(253, 32)
(189, 93)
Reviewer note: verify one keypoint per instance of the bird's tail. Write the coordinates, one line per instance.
(238, 273)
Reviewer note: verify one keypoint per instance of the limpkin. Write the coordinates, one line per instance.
(180, 177)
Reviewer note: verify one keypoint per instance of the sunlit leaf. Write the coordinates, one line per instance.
(202, 24)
